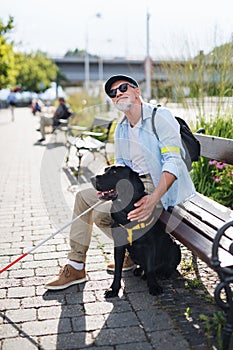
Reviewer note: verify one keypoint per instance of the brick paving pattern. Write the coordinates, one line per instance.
(35, 201)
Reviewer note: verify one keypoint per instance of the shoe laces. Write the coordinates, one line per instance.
(64, 270)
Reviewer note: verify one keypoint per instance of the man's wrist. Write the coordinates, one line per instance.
(155, 197)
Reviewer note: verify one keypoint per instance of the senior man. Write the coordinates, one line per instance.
(159, 164)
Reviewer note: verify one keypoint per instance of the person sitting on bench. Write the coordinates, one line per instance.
(62, 112)
(158, 162)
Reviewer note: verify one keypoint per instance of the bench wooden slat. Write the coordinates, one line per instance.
(90, 140)
(207, 217)
(217, 148)
(213, 207)
(89, 143)
(202, 227)
(202, 214)
(193, 240)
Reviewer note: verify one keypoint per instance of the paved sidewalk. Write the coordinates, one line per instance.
(36, 199)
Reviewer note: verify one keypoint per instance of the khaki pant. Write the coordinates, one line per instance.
(80, 233)
(45, 121)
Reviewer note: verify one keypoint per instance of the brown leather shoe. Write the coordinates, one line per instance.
(128, 264)
(67, 277)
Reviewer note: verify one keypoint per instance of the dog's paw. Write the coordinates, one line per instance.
(144, 276)
(138, 272)
(111, 293)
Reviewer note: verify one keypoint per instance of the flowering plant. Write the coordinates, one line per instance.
(212, 178)
(222, 186)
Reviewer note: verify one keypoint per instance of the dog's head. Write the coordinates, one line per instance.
(118, 181)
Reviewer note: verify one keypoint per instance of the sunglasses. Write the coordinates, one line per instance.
(122, 88)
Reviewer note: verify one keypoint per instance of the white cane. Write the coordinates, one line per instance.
(51, 236)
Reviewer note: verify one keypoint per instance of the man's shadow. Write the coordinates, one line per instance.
(89, 319)
(71, 301)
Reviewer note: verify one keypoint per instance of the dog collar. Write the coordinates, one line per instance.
(139, 226)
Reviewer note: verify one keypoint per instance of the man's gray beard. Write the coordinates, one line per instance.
(123, 106)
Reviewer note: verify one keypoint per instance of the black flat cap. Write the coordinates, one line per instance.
(118, 77)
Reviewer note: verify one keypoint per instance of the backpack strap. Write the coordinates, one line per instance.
(163, 149)
(153, 121)
(124, 119)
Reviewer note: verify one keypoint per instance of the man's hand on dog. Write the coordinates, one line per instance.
(144, 208)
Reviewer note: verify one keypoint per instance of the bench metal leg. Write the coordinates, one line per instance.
(224, 287)
(228, 327)
(80, 155)
(226, 335)
(68, 146)
(227, 306)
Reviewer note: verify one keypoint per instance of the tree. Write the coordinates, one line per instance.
(35, 71)
(7, 68)
(75, 52)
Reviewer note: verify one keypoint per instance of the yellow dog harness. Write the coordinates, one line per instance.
(136, 227)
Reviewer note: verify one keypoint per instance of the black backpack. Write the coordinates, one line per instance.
(191, 145)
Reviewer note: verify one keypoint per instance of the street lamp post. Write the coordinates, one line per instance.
(101, 64)
(87, 60)
(148, 61)
(87, 66)
(101, 68)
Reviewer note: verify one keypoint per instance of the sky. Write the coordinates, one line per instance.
(176, 28)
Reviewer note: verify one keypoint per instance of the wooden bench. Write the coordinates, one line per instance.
(93, 139)
(205, 228)
(65, 125)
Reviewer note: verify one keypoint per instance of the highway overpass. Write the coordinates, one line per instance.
(73, 68)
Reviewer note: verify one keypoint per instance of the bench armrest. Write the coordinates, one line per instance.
(215, 256)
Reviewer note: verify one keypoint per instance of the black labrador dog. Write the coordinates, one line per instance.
(149, 245)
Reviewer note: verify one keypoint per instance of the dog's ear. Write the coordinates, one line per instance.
(136, 179)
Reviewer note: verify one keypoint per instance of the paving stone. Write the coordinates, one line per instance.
(98, 308)
(19, 292)
(135, 346)
(140, 302)
(65, 311)
(21, 273)
(8, 331)
(2, 293)
(100, 348)
(116, 336)
(54, 326)
(67, 341)
(88, 323)
(21, 315)
(9, 304)
(123, 319)
(40, 301)
(20, 343)
(169, 339)
(45, 256)
(154, 319)
(80, 298)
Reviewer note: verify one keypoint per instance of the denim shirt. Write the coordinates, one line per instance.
(163, 154)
